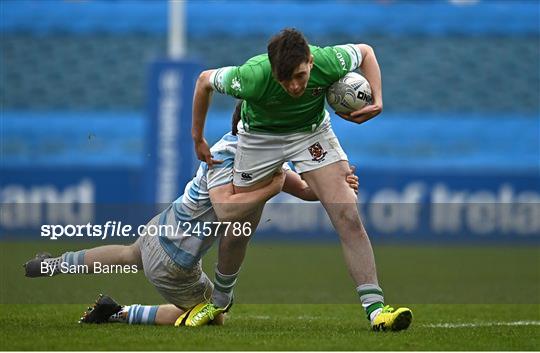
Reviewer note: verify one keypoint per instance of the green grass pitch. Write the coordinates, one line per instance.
(294, 297)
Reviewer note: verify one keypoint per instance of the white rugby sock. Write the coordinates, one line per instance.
(223, 288)
(140, 314)
(371, 296)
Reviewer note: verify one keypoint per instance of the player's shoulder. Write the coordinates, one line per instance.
(314, 49)
(318, 51)
(256, 68)
(258, 60)
(323, 54)
(253, 76)
(335, 61)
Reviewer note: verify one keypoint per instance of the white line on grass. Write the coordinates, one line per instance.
(267, 317)
(257, 317)
(484, 324)
(440, 325)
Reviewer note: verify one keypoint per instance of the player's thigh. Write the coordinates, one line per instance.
(329, 183)
(186, 288)
(339, 200)
(181, 287)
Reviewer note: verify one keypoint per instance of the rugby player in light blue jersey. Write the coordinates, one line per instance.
(172, 261)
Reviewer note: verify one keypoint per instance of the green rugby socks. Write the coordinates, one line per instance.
(223, 288)
(371, 296)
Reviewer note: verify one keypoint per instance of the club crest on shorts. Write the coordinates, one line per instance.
(317, 152)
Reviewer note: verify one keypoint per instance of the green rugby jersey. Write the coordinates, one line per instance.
(267, 107)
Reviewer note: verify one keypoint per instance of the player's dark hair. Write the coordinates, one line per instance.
(236, 117)
(286, 50)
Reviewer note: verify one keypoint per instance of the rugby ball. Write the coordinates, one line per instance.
(351, 92)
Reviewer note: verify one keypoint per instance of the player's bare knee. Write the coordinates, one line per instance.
(348, 222)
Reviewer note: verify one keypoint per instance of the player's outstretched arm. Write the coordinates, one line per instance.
(201, 102)
(297, 187)
(233, 207)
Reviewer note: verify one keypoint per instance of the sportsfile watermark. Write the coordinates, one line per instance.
(434, 253)
(117, 229)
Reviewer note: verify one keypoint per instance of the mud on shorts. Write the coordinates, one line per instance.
(259, 155)
(184, 288)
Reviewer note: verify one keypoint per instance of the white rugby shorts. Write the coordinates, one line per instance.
(259, 155)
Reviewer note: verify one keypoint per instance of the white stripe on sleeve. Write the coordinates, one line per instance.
(217, 77)
(354, 54)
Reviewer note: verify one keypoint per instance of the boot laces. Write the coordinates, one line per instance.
(207, 310)
(387, 309)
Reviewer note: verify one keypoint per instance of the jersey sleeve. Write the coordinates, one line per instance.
(338, 60)
(237, 81)
(352, 55)
(226, 80)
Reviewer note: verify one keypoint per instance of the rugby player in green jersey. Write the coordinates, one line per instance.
(284, 119)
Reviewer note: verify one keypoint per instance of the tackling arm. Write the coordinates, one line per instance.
(233, 207)
(297, 187)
